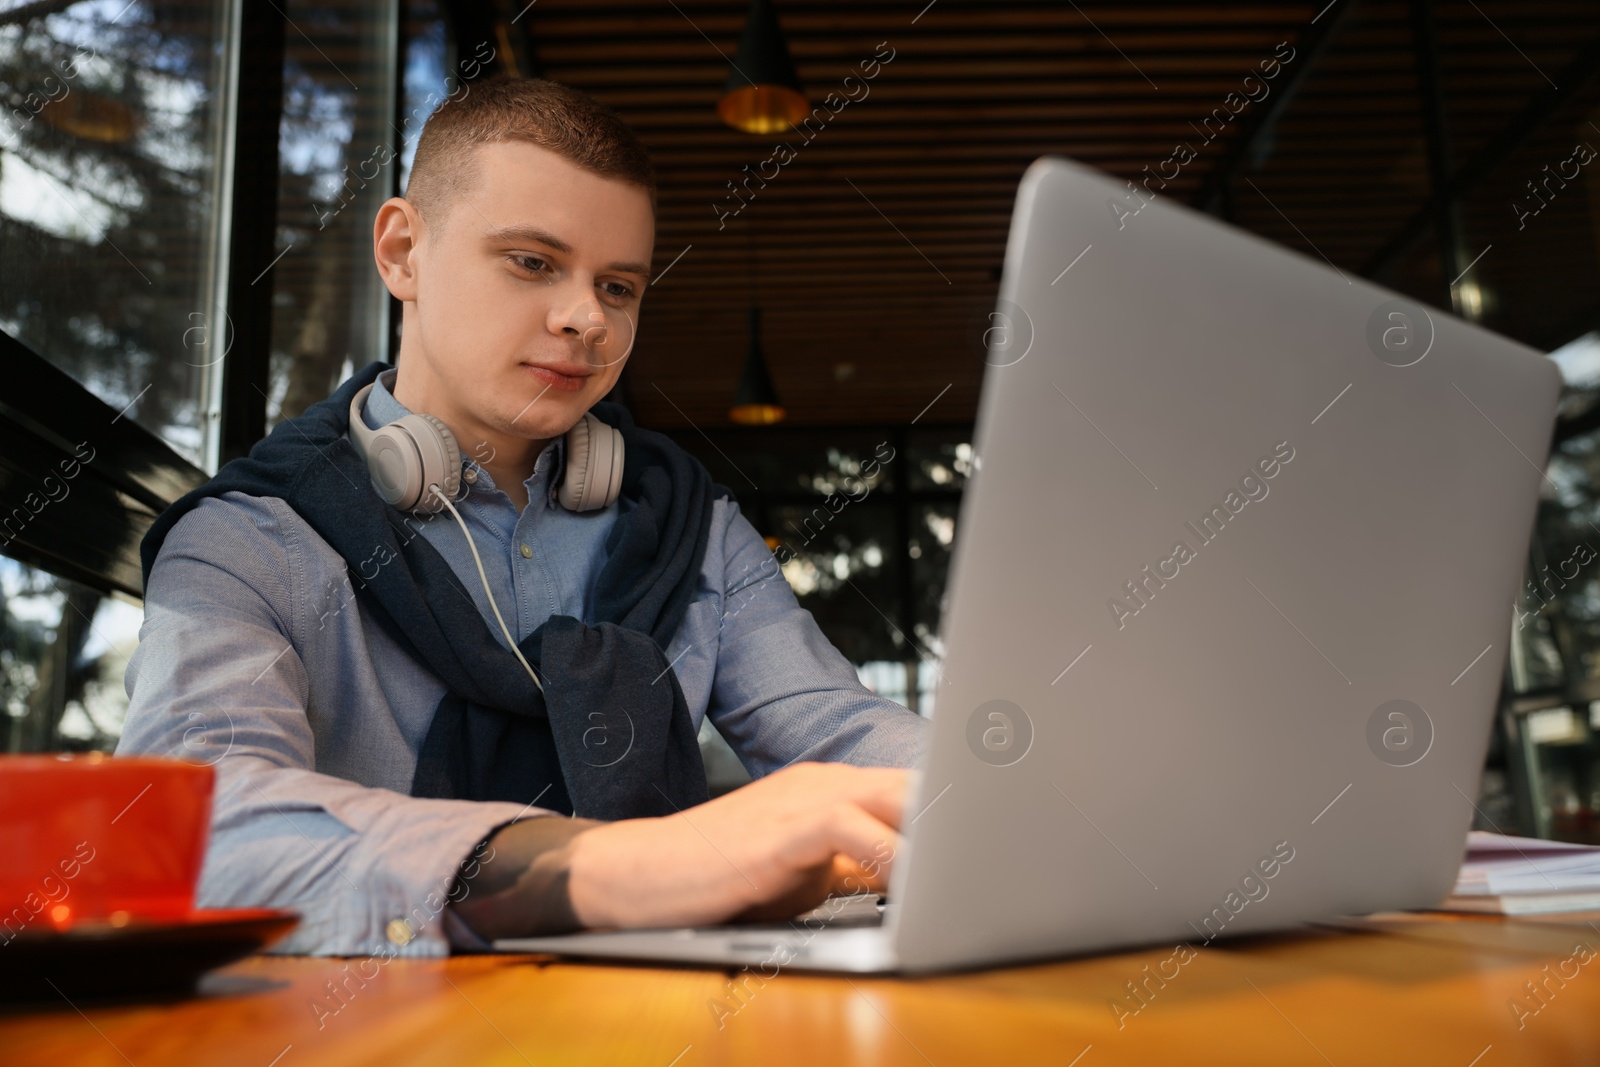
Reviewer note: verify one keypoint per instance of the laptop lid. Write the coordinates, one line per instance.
(1229, 605)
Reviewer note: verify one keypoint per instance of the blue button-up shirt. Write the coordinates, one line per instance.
(256, 656)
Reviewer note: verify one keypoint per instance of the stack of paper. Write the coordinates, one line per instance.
(1526, 876)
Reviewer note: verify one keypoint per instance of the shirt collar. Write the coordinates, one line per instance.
(382, 408)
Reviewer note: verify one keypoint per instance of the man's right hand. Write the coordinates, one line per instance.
(769, 850)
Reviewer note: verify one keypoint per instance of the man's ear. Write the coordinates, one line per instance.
(396, 236)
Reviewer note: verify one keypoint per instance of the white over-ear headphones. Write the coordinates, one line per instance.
(415, 451)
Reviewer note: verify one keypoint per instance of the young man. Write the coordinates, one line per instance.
(385, 766)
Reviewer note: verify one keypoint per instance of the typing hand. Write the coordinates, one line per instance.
(767, 851)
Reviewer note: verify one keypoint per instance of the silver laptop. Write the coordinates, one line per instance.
(1228, 610)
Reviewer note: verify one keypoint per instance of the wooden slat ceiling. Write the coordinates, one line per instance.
(875, 254)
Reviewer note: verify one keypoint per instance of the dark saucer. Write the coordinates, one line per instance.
(144, 958)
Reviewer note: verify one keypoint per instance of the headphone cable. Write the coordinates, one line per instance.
(485, 578)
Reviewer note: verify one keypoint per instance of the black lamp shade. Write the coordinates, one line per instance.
(756, 401)
(763, 94)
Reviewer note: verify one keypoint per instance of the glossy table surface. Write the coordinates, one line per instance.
(1395, 989)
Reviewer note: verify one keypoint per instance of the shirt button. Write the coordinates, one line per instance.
(527, 553)
(471, 476)
(398, 931)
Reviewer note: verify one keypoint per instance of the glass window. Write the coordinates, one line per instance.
(1579, 361)
(869, 516)
(337, 161)
(932, 537)
(111, 167)
(426, 75)
(845, 571)
(64, 650)
(783, 463)
(1556, 627)
(889, 678)
(1554, 668)
(1558, 746)
(940, 459)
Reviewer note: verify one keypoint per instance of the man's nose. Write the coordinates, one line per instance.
(576, 311)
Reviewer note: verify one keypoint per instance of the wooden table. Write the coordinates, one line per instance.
(1395, 989)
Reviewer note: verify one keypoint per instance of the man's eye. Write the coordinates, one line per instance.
(531, 264)
(618, 290)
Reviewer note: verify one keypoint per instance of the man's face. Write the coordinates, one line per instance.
(528, 293)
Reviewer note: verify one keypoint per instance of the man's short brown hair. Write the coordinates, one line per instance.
(564, 120)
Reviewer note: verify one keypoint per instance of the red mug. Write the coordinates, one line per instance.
(92, 837)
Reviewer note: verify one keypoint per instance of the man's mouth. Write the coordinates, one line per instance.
(569, 377)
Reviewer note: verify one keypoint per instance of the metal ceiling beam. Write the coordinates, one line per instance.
(1215, 192)
(1499, 148)
(1436, 130)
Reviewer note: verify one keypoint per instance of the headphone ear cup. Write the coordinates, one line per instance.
(440, 459)
(594, 466)
(395, 467)
(602, 479)
(614, 489)
(406, 456)
(571, 494)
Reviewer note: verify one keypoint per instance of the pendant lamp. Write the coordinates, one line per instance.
(763, 94)
(756, 401)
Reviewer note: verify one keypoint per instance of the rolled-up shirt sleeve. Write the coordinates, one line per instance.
(782, 692)
(217, 678)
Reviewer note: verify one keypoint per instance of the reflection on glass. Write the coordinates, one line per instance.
(110, 174)
(841, 572)
(852, 473)
(944, 463)
(863, 522)
(64, 650)
(425, 75)
(933, 531)
(337, 164)
(787, 463)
